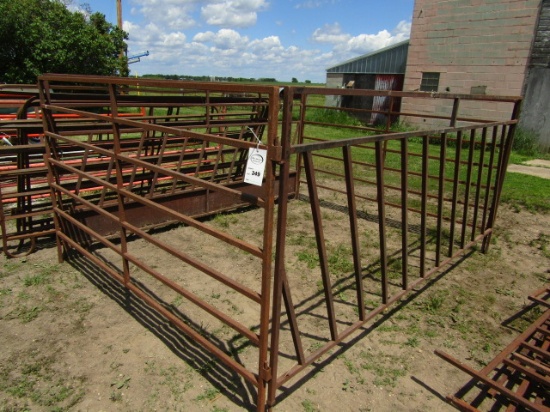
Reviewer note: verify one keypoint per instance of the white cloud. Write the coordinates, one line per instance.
(402, 30)
(270, 43)
(330, 33)
(346, 44)
(224, 39)
(130, 27)
(227, 53)
(203, 37)
(233, 13)
(174, 14)
(174, 39)
(150, 34)
(365, 43)
(314, 4)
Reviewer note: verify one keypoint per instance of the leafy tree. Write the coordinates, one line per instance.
(44, 36)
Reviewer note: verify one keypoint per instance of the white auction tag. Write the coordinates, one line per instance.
(255, 166)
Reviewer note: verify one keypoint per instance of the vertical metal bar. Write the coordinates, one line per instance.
(107, 178)
(293, 321)
(207, 107)
(162, 149)
(424, 203)
(494, 189)
(467, 188)
(219, 158)
(319, 235)
(139, 153)
(50, 151)
(454, 114)
(84, 162)
(3, 229)
(380, 198)
(456, 180)
(501, 173)
(179, 164)
(503, 164)
(300, 132)
(201, 158)
(281, 289)
(352, 213)
(478, 182)
(265, 377)
(235, 154)
(44, 92)
(119, 183)
(53, 177)
(405, 213)
(440, 197)
(489, 180)
(24, 182)
(388, 114)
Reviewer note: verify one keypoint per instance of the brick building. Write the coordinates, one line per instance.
(493, 47)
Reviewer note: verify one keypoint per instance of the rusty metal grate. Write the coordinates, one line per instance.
(519, 377)
(180, 155)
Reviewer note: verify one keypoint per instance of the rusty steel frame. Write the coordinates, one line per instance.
(22, 172)
(518, 378)
(437, 189)
(24, 192)
(469, 209)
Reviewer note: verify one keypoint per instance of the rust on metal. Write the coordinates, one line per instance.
(518, 378)
(122, 156)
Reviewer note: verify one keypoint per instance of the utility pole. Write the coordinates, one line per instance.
(119, 13)
(119, 24)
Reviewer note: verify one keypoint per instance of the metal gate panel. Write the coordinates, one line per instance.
(422, 197)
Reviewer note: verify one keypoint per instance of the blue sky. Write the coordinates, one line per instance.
(256, 38)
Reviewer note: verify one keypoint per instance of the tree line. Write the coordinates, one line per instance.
(209, 78)
(217, 78)
(44, 36)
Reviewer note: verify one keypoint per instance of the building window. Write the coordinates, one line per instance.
(430, 82)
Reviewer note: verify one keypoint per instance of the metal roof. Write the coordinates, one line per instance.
(389, 60)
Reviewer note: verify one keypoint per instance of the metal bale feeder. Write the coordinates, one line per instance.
(349, 218)
(20, 164)
(26, 214)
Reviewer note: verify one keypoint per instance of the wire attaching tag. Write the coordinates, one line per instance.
(255, 165)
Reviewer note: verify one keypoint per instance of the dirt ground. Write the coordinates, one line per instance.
(74, 340)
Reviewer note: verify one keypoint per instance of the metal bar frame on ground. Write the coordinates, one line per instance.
(518, 378)
(380, 210)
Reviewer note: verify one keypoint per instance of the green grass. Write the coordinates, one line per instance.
(521, 191)
(9, 267)
(435, 302)
(209, 394)
(543, 244)
(225, 220)
(310, 258)
(526, 146)
(413, 342)
(309, 406)
(38, 382)
(35, 280)
(339, 260)
(28, 314)
(526, 192)
(384, 368)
